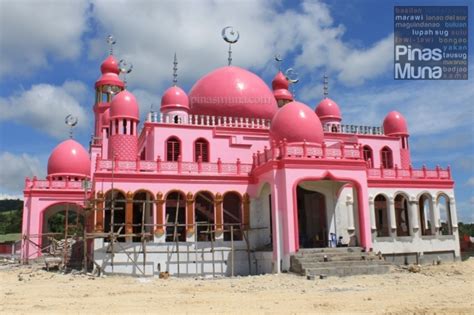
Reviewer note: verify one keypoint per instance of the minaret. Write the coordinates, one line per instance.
(124, 118)
(280, 85)
(106, 87)
(328, 111)
(175, 102)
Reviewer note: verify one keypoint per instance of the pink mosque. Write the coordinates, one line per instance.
(236, 166)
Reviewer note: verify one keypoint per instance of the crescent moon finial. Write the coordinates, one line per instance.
(231, 36)
(71, 121)
(111, 42)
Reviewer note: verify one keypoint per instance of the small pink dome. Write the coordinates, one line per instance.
(69, 158)
(106, 118)
(110, 65)
(328, 109)
(280, 87)
(296, 122)
(175, 97)
(109, 79)
(232, 91)
(395, 124)
(124, 105)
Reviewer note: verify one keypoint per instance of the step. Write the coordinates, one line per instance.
(330, 250)
(329, 257)
(337, 264)
(347, 271)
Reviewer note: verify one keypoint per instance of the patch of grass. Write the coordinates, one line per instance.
(12, 237)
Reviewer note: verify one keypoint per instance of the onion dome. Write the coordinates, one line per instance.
(175, 98)
(106, 118)
(124, 105)
(296, 122)
(110, 65)
(327, 109)
(69, 158)
(232, 91)
(109, 79)
(395, 124)
(280, 87)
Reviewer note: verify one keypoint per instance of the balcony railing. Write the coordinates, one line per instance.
(353, 129)
(66, 183)
(205, 120)
(410, 173)
(175, 167)
(305, 150)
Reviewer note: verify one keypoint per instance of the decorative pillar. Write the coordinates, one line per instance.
(99, 213)
(452, 209)
(436, 214)
(373, 224)
(159, 214)
(413, 214)
(219, 212)
(246, 211)
(350, 213)
(189, 213)
(129, 213)
(391, 210)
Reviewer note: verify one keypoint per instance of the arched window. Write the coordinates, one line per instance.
(204, 215)
(201, 149)
(386, 157)
(114, 202)
(425, 210)
(368, 157)
(232, 207)
(381, 216)
(173, 149)
(445, 224)
(401, 216)
(176, 216)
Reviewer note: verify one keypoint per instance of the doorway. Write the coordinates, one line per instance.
(312, 225)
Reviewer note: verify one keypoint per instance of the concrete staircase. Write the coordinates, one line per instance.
(341, 261)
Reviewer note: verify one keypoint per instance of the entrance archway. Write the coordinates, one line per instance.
(64, 221)
(175, 216)
(313, 231)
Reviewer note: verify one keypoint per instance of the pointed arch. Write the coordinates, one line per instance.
(386, 157)
(173, 149)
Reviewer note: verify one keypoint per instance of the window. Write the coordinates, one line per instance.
(424, 207)
(173, 149)
(445, 223)
(232, 208)
(381, 215)
(201, 149)
(387, 158)
(368, 156)
(124, 127)
(401, 216)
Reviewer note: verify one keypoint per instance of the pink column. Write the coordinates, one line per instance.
(364, 217)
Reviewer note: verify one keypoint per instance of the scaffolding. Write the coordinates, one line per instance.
(59, 252)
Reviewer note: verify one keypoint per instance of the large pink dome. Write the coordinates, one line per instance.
(110, 65)
(296, 122)
(175, 98)
(69, 158)
(124, 105)
(395, 124)
(232, 91)
(328, 109)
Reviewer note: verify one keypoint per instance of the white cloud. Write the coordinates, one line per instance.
(470, 182)
(14, 170)
(33, 31)
(45, 106)
(430, 107)
(192, 29)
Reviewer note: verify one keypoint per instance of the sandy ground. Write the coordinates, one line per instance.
(443, 289)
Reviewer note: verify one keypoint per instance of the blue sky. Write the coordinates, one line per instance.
(51, 53)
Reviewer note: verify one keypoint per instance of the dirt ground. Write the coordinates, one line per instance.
(442, 289)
